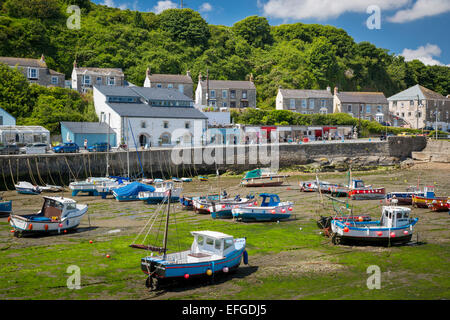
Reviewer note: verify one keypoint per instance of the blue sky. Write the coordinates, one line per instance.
(414, 28)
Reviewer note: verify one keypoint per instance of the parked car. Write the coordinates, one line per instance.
(68, 147)
(9, 149)
(404, 134)
(34, 148)
(99, 147)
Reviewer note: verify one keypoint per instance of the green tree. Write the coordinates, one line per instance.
(255, 30)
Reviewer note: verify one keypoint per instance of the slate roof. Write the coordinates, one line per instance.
(103, 71)
(229, 84)
(23, 62)
(412, 92)
(304, 94)
(141, 110)
(170, 78)
(146, 93)
(362, 97)
(87, 127)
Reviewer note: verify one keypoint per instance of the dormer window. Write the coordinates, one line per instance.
(111, 81)
(87, 80)
(33, 73)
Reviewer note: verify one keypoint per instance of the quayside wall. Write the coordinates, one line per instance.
(60, 169)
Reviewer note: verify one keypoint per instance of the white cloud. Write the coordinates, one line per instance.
(164, 5)
(110, 3)
(323, 9)
(205, 7)
(424, 54)
(421, 9)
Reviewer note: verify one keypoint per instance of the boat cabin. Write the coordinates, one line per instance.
(429, 192)
(55, 208)
(357, 184)
(395, 217)
(269, 200)
(208, 243)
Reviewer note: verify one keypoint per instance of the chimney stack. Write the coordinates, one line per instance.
(188, 73)
(42, 58)
(75, 63)
(148, 72)
(336, 90)
(329, 89)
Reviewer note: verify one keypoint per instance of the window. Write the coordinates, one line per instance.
(213, 94)
(166, 124)
(159, 85)
(181, 88)
(224, 104)
(368, 109)
(349, 108)
(200, 240)
(143, 124)
(32, 73)
(228, 243)
(379, 109)
(304, 103)
(233, 104)
(217, 244)
(111, 81)
(54, 80)
(170, 86)
(409, 114)
(212, 103)
(99, 80)
(311, 104)
(224, 94)
(244, 94)
(323, 103)
(165, 138)
(209, 241)
(233, 94)
(187, 125)
(411, 103)
(87, 80)
(292, 104)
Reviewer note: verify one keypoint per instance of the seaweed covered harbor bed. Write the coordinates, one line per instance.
(287, 260)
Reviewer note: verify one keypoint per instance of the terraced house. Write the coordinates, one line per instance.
(362, 105)
(305, 101)
(180, 82)
(36, 71)
(225, 93)
(84, 79)
(419, 107)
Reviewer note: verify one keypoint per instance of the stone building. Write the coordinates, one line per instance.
(225, 93)
(84, 79)
(36, 71)
(417, 107)
(305, 101)
(362, 105)
(180, 82)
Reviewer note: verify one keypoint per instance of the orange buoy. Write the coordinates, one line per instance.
(186, 276)
(108, 256)
(30, 226)
(346, 229)
(46, 227)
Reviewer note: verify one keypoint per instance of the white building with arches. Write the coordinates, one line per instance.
(149, 117)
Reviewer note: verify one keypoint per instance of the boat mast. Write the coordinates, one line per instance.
(166, 231)
(128, 151)
(107, 147)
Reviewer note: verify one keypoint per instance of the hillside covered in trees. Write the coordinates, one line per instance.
(309, 56)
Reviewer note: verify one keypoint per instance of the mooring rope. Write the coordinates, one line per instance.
(48, 170)
(39, 174)
(70, 170)
(30, 173)
(4, 180)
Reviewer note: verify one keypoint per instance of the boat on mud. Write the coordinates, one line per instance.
(210, 254)
(131, 191)
(262, 178)
(270, 209)
(405, 197)
(186, 179)
(223, 208)
(439, 205)
(201, 204)
(428, 198)
(89, 185)
(394, 226)
(186, 203)
(160, 193)
(202, 178)
(358, 191)
(5, 206)
(24, 187)
(58, 214)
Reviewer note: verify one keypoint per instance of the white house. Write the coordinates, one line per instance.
(149, 116)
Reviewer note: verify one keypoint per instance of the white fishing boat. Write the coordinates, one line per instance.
(223, 208)
(89, 185)
(395, 226)
(51, 188)
(58, 214)
(160, 193)
(24, 187)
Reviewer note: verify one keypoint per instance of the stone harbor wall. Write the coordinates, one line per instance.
(60, 169)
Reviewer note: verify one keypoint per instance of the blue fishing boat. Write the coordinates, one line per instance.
(405, 197)
(186, 179)
(24, 187)
(5, 206)
(186, 203)
(223, 208)
(270, 209)
(395, 226)
(211, 253)
(131, 192)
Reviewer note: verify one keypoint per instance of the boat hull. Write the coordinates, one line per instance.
(159, 196)
(368, 194)
(6, 207)
(263, 214)
(423, 202)
(27, 191)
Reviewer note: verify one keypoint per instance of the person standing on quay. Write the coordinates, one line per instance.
(85, 144)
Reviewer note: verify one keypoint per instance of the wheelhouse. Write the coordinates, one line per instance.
(212, 243)
(269, 200)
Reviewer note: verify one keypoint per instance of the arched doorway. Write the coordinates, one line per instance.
(166, 138)
(144, 140)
